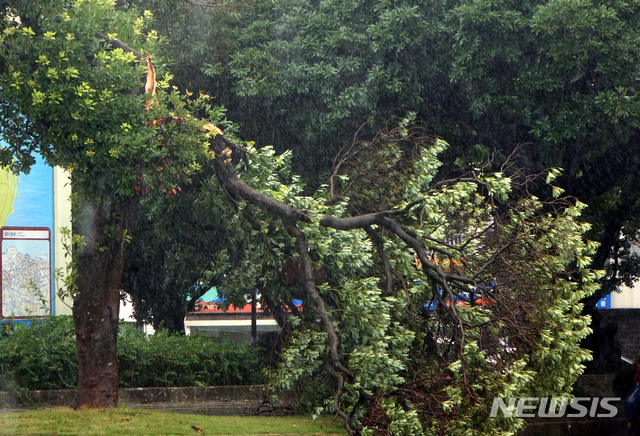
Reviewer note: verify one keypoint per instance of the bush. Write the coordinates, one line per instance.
(40, 357)
(44, 357)
(171, 360)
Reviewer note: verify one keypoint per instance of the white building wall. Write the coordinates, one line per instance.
(126, 315)
(627, 298)
(61, 218)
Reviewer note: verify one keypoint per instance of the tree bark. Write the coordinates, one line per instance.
(96, 306)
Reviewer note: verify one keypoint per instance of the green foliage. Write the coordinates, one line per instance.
(76, 89)
(421, 370)
(66, 277)
(544, 72)
(40, 357)
(83, 107)
(415, 363)
(555, 80)
(44, 357)
(162, 359)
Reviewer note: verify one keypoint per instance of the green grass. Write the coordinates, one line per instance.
(123, 421)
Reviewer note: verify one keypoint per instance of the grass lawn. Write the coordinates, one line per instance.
(123, 421)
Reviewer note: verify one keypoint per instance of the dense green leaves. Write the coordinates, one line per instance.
(554, 80)
(419, 362)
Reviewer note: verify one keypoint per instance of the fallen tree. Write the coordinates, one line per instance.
(465, 291)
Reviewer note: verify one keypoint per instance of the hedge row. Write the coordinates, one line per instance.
(44, 357)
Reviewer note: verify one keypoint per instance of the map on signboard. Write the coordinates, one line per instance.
(26, 222)
(26, 274)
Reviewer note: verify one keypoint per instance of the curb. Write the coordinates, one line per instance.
(50, 398)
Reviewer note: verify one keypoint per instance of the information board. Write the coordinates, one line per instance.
(25, 259)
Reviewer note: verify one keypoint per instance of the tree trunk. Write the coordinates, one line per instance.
(96, 306)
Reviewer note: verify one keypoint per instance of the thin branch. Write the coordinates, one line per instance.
(116, 43)
(336, 164)
(492, 259)
(438, 241)
(407, 294)
(456, 180)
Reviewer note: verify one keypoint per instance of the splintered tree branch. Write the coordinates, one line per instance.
(290, 216)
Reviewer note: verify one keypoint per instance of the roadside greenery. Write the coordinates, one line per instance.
(73, 91)
(45, 357)
(379, 341)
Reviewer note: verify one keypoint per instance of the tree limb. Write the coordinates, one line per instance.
(303, 251)
(237, 187)
(449, 182)
(115, 43)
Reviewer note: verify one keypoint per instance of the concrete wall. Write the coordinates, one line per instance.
(628, 321)
(145, 395)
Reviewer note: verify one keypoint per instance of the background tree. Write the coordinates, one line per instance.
(175, 242)
(557, 81)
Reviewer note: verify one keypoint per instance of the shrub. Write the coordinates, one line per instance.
(44, 357)
(40, 357)
(172, 360)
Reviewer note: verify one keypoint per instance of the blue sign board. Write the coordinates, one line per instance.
(604, 303)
